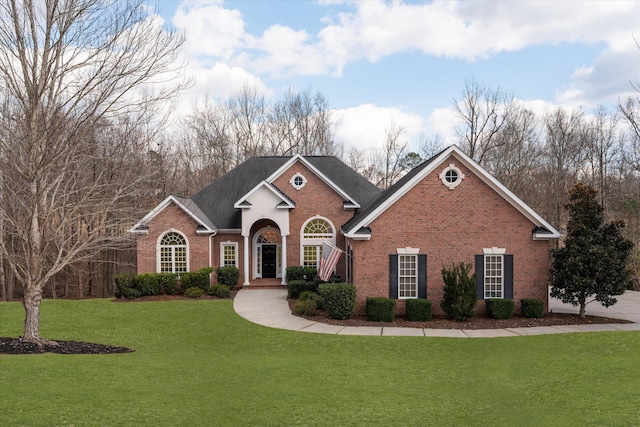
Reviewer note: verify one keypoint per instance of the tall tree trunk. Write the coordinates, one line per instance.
(31, 303)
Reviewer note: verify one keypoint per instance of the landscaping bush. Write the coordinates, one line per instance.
(339, 299)
(296, 287)
(198, 279)
(228, 275)
(130, 293)
(147, 284)
(418, 310)
(193, 292)
(305, 307)
(381, 309)
(301, 273)
(220, 291)
(532, 308)
(124, 282)
(168, 283)
(313, 296)
(460, 296)
(498, 308)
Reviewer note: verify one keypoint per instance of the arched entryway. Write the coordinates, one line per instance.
(267, 253)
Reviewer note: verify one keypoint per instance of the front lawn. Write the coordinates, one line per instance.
(199, 364)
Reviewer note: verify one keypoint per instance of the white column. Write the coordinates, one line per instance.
(284, 260)
(246, 261)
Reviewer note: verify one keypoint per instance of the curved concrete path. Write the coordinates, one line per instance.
(269, 307)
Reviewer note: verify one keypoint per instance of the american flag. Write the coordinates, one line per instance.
(329, 260)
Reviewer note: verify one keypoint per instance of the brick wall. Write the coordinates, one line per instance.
(450, 226)
(172, 218)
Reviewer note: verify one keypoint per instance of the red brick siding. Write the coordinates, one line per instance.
(172, 218)
(450, 226)
(315, 198)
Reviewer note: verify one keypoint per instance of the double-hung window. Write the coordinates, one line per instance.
(494, 276)
(228, 254)
(407, 276)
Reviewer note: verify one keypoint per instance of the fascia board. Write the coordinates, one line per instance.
(162, 206)
(488, 179)
(353, 204)
(239, 204)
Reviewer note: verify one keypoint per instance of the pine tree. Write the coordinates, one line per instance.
(593, 261)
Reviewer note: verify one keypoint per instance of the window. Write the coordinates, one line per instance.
(314, 232)
(228, 254)
(451, 176)
(173, 253)
(298, 181)
(493, 276)
(407, 276)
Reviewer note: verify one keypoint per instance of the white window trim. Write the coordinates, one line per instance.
(222, 246)
(408, 251)
(292, 181)
(443, 176)
(414, 254)
(310, 241)
(171, 230)
(495, 252)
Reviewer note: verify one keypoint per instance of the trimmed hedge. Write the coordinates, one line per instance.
(498, 308)
(228, 275)
(419, 310)
(220, 291)
(147, 284)
(124, 283)
(313, 296)
(381, 309)
(193, 292)
(301, 273)
(196, 279)
(305, 307)
(339, 299)
(168, 283)
(532, 308)
(296, 287)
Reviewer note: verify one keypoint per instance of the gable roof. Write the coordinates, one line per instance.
(357, 227)
(187, 205)
(220, 200)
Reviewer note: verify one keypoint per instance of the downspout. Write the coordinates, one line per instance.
(211, 256)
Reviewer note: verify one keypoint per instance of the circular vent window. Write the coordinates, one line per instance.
(298, 181)
(451, 176)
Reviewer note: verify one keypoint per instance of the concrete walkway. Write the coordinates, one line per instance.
(269, 307)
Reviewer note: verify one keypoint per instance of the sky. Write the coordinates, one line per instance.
(404, 63)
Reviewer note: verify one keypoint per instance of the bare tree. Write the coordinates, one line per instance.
(483, 111)
(71, 69)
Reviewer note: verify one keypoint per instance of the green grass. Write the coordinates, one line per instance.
(198, 364)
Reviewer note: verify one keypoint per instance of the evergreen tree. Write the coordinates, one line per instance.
(593, 261)
(460, 298)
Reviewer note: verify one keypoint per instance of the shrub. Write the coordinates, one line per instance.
(532, 307)
(418, 310)
(198, 279)
(339, 299)
(313, 296)
(228, 275)
(130, 293)
(193, 292)
(220, 291)
(147, 284)
(305, 307)
(167, 283)
(460, 296)
(301, 273)
(381, 309)
(296, 287)
(124, 281)
(498, 308)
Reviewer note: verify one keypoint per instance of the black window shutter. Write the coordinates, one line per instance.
(422, 276)
(393, 276)
(480, 276)
(508, 276)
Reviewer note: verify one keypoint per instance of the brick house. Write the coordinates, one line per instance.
(272, 212)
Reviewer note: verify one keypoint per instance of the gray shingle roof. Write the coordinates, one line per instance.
(216, 200)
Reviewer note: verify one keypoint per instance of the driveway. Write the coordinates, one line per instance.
(627, 307)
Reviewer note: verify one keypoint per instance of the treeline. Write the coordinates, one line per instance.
(537, 156)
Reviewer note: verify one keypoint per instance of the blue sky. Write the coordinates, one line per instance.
(379, 62)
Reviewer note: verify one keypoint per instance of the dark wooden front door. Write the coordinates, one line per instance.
(269, 261)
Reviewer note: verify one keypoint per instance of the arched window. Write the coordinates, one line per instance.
(173, 253)
(314, 232)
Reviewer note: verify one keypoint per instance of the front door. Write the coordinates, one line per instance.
(269, 261)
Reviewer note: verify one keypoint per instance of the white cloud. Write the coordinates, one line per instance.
(365, 127)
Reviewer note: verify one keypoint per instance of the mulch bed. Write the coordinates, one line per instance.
(17, 346)
(476, 322)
